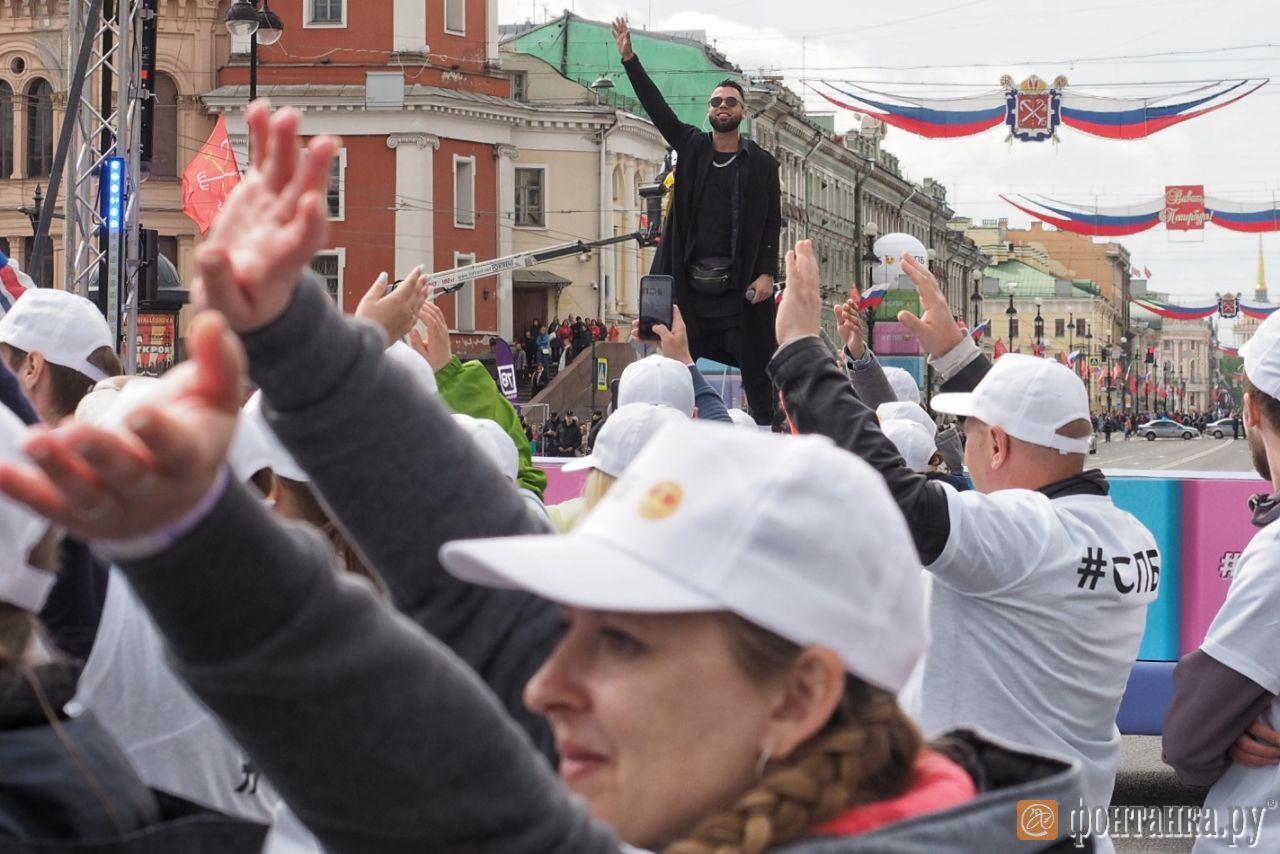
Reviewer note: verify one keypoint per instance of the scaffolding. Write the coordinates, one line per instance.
(107, 37)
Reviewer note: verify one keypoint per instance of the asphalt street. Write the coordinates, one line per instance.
(1202, 454)
(1145, 781)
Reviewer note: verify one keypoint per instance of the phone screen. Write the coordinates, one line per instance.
(657, 296)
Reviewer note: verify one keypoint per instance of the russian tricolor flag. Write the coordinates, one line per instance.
(872, 297)
(13, 283)
(981, 329)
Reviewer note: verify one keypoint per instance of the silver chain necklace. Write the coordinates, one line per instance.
(727, 162)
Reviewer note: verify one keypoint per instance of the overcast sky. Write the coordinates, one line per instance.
(1235, 152)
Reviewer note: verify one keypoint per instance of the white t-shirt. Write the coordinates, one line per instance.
(1245, 636)
(173, 742)
(1038, 610)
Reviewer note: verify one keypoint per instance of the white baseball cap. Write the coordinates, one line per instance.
(418, 366)
(1029, 398)
(494, 442)
(902, 410)
(709, 518)
(657, 379)
(64, 327)
(912, 441)
(256, 447)
(20, 531)
(1261, 355)
(904, 385)
(622, 436)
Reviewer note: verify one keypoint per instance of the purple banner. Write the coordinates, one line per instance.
(506, 370)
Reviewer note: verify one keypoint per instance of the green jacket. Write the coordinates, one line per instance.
(469, 389)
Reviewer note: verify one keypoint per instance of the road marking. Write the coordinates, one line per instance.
(1181, 460)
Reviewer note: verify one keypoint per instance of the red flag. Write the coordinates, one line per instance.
(1161, 391)
(210, 177)
(1133, 382)
(1147, 271)
(1115, 373)
(1000, 349)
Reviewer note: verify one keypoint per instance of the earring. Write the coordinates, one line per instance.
(765, 756)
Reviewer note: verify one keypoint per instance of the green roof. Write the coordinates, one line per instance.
(684, 70)
(1033, 282)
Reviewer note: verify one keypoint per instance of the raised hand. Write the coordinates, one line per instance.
(674, 342)
(434, 346)
(396, 312)
(622, 35)
(271, 225)
(935, 327)
(852, 328)
(800, 312)
(129, 481)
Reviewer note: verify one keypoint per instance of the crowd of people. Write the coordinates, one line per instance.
(559, 342)
(343, 617)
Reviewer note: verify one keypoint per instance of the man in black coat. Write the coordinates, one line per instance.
(720, 241)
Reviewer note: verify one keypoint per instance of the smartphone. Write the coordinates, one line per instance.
(657, 298)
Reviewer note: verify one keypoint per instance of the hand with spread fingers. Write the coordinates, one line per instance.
(396, 312)
(271, 226)
(1257, 747)
(800, 312)
(852, 328)
(121, 483)
(434, 345)
(622, 37)
(935, 327)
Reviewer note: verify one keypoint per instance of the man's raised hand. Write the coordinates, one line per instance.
(852, 328)
(800, 312)
(622, 35)
(397, 312)
(935, 327)
(430, 337)
(271, 225)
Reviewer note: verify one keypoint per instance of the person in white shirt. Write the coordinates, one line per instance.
(1041, 582)
(1221, 727)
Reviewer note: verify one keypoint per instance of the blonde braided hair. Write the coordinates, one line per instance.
(865, 754)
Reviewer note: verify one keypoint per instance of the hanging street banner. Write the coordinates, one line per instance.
(506, 363)
(1033, 109)
(1183, 207)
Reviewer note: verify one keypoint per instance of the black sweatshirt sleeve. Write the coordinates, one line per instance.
(674, 131)
(1212, 706)
(402, 479)
(767, 258)
(819, 399)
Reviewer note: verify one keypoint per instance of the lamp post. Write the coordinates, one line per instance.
(976, 299)
(1011, 311)
(262, 26)
(1039, 326)
(870, 259)
(1088, 369)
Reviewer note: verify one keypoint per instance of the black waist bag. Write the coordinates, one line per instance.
(711, 276)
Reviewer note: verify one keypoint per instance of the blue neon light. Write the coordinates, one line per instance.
(115, 192)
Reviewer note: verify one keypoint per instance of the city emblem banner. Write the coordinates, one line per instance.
(210, 177)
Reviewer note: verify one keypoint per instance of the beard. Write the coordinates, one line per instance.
(1258, 453)
(728, 125)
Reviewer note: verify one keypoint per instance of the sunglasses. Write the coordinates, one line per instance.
(729, 102)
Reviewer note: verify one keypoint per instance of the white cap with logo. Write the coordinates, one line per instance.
(901, 410)
(1029, 398)
(709, 518)
(622, 437)
(64, 327)
(1261, 355)
(657, 379)
(20, 531)
(903, 384)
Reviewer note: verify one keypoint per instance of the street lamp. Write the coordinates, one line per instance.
(1088, 369)
(1011, 311)
(261, 26)
(976, 298)
(1039, 324)
(870, 259)
(602, 87)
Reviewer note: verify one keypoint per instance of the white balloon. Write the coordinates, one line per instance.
(889, 249)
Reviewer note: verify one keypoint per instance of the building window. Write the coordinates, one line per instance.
(617, 183)
(1013, 330)
(328, 267)
(44, 276)
(1081, 326)
(39, 129)
(336, 193)
(531, 204)
(1059, 328)
(520, 86)
(326, 13)
(6, 130)
(164, 134)
(455, 17)
(464, 192)
(464, 304)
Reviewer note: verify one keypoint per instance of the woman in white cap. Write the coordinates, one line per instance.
(65, 783)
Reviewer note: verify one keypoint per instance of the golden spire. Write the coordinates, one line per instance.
(1260, 292)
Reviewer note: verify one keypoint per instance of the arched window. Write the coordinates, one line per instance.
(164, 139)
(617, 183)
(39, 129)
(6, 130)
